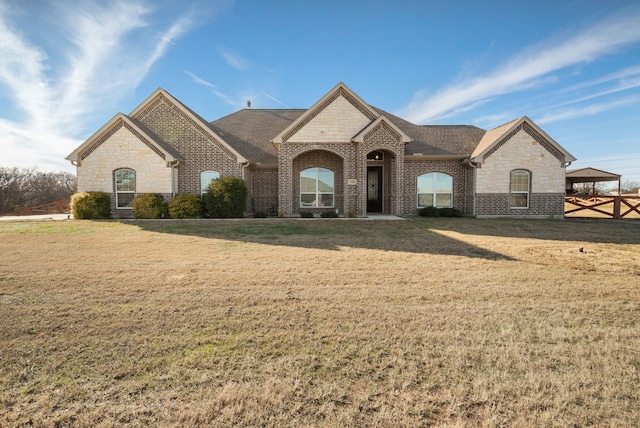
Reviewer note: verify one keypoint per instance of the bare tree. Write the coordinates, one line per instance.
(28, 187)
(629, 186)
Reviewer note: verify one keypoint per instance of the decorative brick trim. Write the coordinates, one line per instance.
(101, 140)
(382, 126)
(540, 204)
(533, 134)
(145, 141)
(312, 114)
(543, 142)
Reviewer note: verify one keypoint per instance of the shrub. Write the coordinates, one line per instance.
(259, 214)
(450, 212)
(429, 212)
(91, 205)
(149, 205)
(329, 214)
(306, 214)
(186, 205)
(439, 212)
(226, 197)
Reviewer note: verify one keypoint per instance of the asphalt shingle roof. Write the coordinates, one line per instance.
(250, 132)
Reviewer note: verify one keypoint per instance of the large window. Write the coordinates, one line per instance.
(205, 179)
(316, 188)
(125, 187)
(520, 185)
(435, 189)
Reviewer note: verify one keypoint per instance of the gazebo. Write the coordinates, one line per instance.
(589, 175)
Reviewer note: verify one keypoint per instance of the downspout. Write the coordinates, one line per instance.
(475, 180)
(174, 165)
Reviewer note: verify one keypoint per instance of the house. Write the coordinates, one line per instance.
(340, 154)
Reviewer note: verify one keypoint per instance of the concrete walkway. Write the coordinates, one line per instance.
(35, 217)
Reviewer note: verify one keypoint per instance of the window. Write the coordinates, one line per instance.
(520, 182)
(205, 179)
(316, 188)
(125, 188)
(435, 189)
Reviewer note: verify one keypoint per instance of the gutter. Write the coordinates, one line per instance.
(475, 166)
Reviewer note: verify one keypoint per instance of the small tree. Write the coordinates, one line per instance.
(226, 197)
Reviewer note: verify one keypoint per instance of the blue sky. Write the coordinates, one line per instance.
(66, 67)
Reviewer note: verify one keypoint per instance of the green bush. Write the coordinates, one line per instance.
(259, 214)
(450, 212)
(186, 205)
(306, 214)
(329, 214)
(429, 212)
(149, 205)
(91, 205)
(226, 197)
(439, 212)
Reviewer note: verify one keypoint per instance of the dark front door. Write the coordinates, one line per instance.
(374, 189)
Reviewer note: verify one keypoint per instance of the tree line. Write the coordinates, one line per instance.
(28, 187)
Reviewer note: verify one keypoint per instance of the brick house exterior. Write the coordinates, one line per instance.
(340, 154)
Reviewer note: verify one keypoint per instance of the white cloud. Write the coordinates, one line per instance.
(106, 50)
(234, 59)
(590, 110)
(526, 69)
(215, 91)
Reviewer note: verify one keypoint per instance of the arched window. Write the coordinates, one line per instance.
(316, 188)
(125, 187)
(205, 179)
(520, 185)
(435, 189)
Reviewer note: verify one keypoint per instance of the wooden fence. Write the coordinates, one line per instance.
(617, 207)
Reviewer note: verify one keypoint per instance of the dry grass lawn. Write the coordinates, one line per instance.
(446, 322)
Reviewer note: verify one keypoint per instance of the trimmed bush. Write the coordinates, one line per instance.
(90, 205)
(439, 212)
(259, 214)
(186, 205)
(226, 197)
(149, 205)
(329, 214)
(429, 212)
(306, 214)
(450, 212)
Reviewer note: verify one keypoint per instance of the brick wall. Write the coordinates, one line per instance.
(540, 205)
(201, 151)
(264, 190)
(462, 182)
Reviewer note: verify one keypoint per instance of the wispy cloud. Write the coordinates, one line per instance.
(275, 99)
(234, 59)
(106, 50)
(528, 69)
(214, 90)
(589, 110)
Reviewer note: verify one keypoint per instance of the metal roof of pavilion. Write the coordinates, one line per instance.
(591, 175)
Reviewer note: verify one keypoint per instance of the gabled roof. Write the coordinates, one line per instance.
(339, 90)
(493, 138)
(250, 131)
(199, 121)
(381, 120)
(165, 151)
(588, 175)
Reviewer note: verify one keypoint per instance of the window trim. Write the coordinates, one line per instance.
(317, 192)
(434, 195)
(128, 192)
(513, 192)
(204, 190)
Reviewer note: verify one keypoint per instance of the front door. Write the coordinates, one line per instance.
(374, 189)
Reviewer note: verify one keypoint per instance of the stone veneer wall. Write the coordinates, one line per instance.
(462, 182)
(201, 151)
(522, 150)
